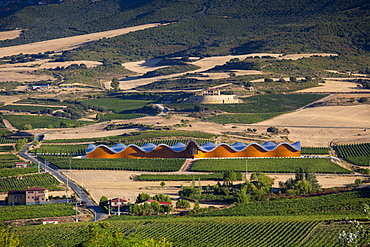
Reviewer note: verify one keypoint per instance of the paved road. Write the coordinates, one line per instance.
(78, 190)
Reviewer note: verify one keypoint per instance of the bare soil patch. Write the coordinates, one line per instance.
(336, 85)
(10, 34)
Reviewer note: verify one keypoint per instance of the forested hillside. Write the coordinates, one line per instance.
(201, 27)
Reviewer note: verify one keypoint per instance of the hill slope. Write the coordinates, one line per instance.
(203, 27)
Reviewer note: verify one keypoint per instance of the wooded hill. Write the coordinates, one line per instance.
(201, 27)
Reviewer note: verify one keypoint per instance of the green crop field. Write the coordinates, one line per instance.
(42, 180)
(28, 108)
(311, 221)
(187, 177)
(19, 121)
(332, 205)
(36, 211)
(118, 105)
(358, 154)
(267, 103)
(315, 150)
(17, 171)
(148, 136)
(158, 165)
(246, 118)
(109, 117)
(6, 148)
(42, 102)
(64, 150)
(317, 165)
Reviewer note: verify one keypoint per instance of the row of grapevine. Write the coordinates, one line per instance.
(17, 171)
(7, 141)
(36, 211)
(315, 150)
(231, 231)
(340, 205)
(354, 150)
(16, 183)
(280, 165)
(358, 154)
(61, 150)
(158, 165)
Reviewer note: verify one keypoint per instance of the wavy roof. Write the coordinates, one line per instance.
(207, 147)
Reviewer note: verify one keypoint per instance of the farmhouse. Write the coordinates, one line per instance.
(213, 96)
(114, 203)
(34, 195)
(193, 150)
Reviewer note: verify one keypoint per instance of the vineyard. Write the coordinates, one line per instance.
(42, 180)
(42, 102)
(35, 211)
(17, 171)
(266, 103)
(154, 165)
(28, 108)
(118, 105)
(281, 165)
(36, 121)
(358, 154)
(144, 136)
(61, 150)
(154, 177)
(6, 148)
(109, 117)
(315, 150)
(311, 221)
(7, 160)
(247, 118)
(207, 231)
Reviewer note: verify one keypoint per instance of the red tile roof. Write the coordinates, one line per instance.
(36, 188)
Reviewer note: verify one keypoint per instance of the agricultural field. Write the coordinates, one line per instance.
(6, 148)
(358, 154)
(331, 206)
(315, 150)
(29, 108)
(188, 177)
(7, 160)
(49, 102)
(267, 103)
(43, 180)
(146, 136)
(118, 105)
(246, 118)
(61, 150)
(19, 121)
(128, 116)
(154, 165)
(278, 165)
(36, 211)
(17, 171)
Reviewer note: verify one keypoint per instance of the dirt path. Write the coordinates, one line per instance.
(9, 126)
